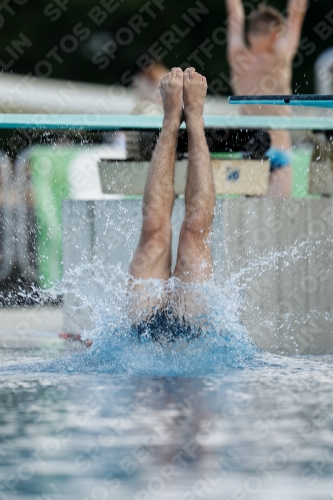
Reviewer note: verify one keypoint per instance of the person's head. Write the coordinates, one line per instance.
(265, 26)
(148, 82)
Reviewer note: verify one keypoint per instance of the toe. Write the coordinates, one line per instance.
(187, 74)
(179, 74)
(175, 72)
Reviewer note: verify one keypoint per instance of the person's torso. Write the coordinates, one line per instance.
(264, 74)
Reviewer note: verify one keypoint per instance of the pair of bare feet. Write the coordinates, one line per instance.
(183, 90)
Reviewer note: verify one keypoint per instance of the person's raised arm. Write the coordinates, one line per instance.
(236, 23)
(296, 12)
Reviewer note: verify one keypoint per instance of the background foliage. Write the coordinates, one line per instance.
(44, 34)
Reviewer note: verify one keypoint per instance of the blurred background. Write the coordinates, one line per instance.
(107, 56)
(45, 23)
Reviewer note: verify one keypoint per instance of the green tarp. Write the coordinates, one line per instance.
(49, 177)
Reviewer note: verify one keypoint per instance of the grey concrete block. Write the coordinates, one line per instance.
(281, 251)
(78, 231)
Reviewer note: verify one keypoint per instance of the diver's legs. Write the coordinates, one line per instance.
(152, 258)
(194, 260)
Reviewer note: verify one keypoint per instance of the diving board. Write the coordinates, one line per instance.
(143, 122)
(310, 100)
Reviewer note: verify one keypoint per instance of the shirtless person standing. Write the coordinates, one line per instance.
(264, 67)
(152, 259)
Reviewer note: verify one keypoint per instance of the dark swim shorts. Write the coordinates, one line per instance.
(166, 328)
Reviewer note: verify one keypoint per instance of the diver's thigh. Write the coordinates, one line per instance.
(151, 260)
(190, 303)
(149, 271)
(144, 297)
(194, 261)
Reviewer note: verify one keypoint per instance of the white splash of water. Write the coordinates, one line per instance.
(223, 343)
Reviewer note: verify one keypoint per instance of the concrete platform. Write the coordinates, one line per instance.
(30, 327)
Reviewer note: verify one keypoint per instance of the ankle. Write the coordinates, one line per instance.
(193, 114)
(194, 121)
(170, 122)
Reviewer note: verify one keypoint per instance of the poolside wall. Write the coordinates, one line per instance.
(280, 251)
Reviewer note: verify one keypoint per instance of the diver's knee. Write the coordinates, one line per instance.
(155, 222)
(198, 221)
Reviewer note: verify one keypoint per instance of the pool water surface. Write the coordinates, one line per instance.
(210, 418)
(264, 431)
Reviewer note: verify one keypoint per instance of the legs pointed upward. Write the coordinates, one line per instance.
(152, 258)
(194, 260)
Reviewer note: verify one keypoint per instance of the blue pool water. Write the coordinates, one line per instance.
(213, 418)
